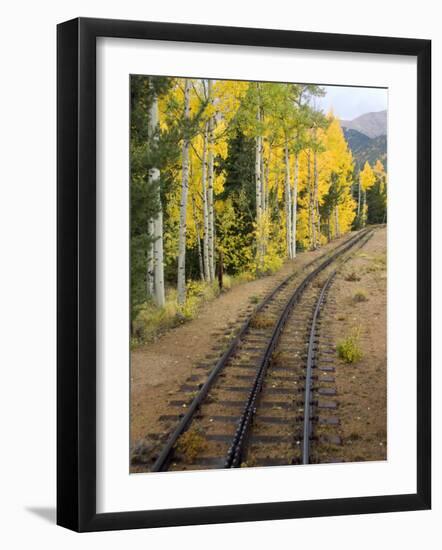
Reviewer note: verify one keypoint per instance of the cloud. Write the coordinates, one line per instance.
(350, 102)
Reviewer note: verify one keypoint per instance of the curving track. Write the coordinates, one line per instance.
(259, 404)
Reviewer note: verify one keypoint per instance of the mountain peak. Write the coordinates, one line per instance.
(370, 124)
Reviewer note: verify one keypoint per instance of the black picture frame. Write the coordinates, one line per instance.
(76, 273)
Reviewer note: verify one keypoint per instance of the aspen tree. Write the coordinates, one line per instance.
(366, 180)
(288, 200)
(159, 261)
(150, 266)
(310, 198)
(154, 178)
(261, 158)
(181, 286)
(338, 171)
(315, 199)
(211, 236)
(379, 170)
(377, 196)
(294, 204)
(267, 178)
(205, 208)
(258, 166)
(258, 180)
(263, 196)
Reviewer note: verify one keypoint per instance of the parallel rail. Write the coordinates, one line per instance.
(239, 443)
(233, 458)
(309, 372)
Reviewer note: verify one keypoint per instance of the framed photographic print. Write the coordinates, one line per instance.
(243, 274)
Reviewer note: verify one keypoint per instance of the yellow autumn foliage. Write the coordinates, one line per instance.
(235, 104)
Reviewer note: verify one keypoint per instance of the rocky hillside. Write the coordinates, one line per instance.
(369, 124)
(367, 138)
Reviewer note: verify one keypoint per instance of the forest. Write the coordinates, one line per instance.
(228, 180)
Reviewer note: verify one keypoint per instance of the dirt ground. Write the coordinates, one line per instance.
(158, 369)
(360, 295)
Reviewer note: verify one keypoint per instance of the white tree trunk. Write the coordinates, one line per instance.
(150, 266)
(183, 204)
(258, 187)
(264, 228)
(364, 209)
(315, 192)
(210, 192)
(267, 180)
(160, 299)
(288, 202)
(310, 199)
(359, 200)
(258, 183)
(264, 185)
(318, 223)
(263, 182)
(205, 209)
(294, 205)
(158, 262)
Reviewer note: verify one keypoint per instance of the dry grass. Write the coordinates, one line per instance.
(320, 282)
(191, 444)
(143, 450)
(261, 320)
(352, 277)
(152, 322)
(281, 358)
(254, 299)
(360, 296)
(379, 263)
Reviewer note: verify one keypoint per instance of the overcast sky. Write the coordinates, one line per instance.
(348, 103)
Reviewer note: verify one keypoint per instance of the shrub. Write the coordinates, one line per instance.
(349, 350)
(227, 281)
(152, 321)
(379, 263)
(191, 444)
(352, 277)
(360, 296)
(244, 277)
(381, 260)
(197, 293)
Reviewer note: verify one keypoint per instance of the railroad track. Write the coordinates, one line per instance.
(259, 401)
(295, 393)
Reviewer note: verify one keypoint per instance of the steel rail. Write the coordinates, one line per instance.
(239, 442)
(308, 372)
(162, 461)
